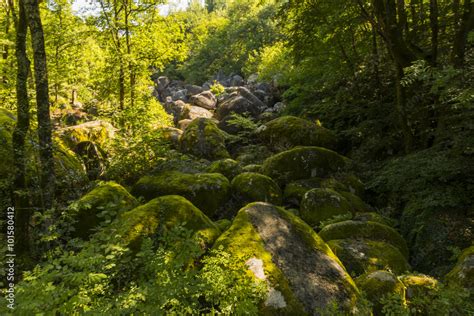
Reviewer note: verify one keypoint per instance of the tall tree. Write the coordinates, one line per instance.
(19, 134)
(42, 102)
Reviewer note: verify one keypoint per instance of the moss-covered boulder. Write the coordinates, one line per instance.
(380, 284)
(70, 173)
(356, 203)
(228, 167)
(102, 204)
(223, 224)
(418, 286)
(287, 132)
(373, 217)
(319, 205)
(353, 184)
(463, 272)
(302, 273)
(254, 187)
(204, 139)
(171, 135)
(208, 191)
(98, 132)
(362, 255)
(364, 229)
(252, 168)
(182, 163)
(162, 214)
(303, 163)
(252, 154)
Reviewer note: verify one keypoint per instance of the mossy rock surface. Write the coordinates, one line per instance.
(356, 203)
(252, 154)
(463, 272)
(202, 138)
(252, 168)
(364, 229)
(182, 163)
(320, 205)
(223, 224)
(300, 269)
(98, 132)
(254, 187)
(303, 163)
(362, 255)
(379, 284)
(286, 132)
(418, 286)
(161, 215)
(353, 184)
(102, 203)
(373, 217)
(207, 191)
(71, 175)
(228, 167)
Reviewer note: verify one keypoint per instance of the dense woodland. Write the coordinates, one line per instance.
(273, 157)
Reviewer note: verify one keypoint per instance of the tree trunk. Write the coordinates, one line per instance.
(434, 31)
(466, 24)
(42, 102)
(20, 197)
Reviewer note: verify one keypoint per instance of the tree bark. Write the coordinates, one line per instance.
(42, 102)
(434, 31)
(466, 24)
(19, 196)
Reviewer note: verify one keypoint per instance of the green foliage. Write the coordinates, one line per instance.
(102, 276)
(217, 88)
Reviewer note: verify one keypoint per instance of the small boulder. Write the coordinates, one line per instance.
(236, 104)
(204, 139)
(183, 124)
(379, 284)
(192, 112)
(289, 131)
(368, 230)
(320, 205)
(101, 204)
(254, 187)
(237, 81)
(303, 163)
(418, 286)
(98, 132)
(193, 89)
(207, 191)
(302, 273)
(205, 100)
(161, 215)
(228, 167)
(252, 154)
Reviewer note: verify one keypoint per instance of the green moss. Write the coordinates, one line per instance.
(70, 172)
(319, 205)
(253, 154)
(98, 132)
(243, 242)
(418, 286)
(208, 191)
(252, 187)
(228, 167)
(289, 131)
(303, 163)
(252, 168)
(353, 184)
(223, 224)
(373, 217)
(109, 198)
(379, 284)
(162, 214)
(294, 191)
(356, 203)
(204, 139)
(463, 272)
(368, 230)
(362, 255)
